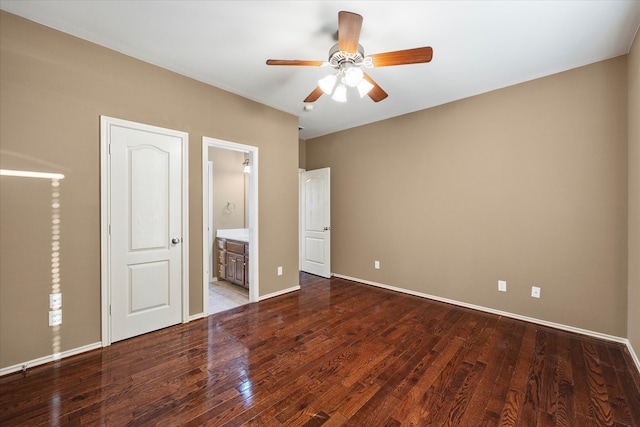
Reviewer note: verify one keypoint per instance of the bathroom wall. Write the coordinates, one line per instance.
(229, 195)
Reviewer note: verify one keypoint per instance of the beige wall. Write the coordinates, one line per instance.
(54, 88)
(633, 324)
(526, 184)
(302, 154)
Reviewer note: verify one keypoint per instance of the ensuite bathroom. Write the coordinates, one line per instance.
(228, 229)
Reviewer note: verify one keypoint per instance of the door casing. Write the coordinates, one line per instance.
(254, 286)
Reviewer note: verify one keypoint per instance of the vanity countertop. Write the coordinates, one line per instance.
(241, 234)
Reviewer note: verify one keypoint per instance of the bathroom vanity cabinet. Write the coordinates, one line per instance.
(233, 261)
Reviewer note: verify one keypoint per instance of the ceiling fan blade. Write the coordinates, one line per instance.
(313, 96)
(400, 57)
(377, 94)
(349, 25)
(294, 62)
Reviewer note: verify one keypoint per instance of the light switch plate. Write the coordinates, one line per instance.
(502, 285)
(279, 271)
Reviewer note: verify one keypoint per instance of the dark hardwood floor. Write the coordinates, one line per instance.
(336, 353)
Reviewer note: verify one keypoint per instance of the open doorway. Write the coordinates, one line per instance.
(230, 240)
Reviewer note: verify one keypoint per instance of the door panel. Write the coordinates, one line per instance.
(145, 216)
(149, 220)
(316, 222)
(149, 286)
(314, 250)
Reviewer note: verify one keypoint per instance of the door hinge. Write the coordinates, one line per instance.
(109, 229)
(109, 309)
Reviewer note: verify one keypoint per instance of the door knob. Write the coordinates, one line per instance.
(175, 240)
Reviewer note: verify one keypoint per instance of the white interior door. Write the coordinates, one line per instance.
(146, 228)
(315, 199)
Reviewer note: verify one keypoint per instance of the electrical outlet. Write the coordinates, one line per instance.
(55, 317)
(376, 264)
(535, 292)
(502, 285)
(55, 300)
(279, 271)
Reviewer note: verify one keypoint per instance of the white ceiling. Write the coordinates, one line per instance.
(478, 46)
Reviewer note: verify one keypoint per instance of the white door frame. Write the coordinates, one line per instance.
(254, 283)
(105, 220)
(210, 225)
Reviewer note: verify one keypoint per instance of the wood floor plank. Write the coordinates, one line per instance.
(621, 412)
(336, 353)
(565, 412)
(598, 394)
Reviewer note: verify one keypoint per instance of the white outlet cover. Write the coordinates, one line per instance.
(279, 271)
(502, 285)
(55, 317)
(376, 264)
(535, 292)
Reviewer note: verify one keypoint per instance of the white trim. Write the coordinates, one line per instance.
(634, 355)
(278, 293)
(105, 220)
(196, 316)
(49, 358)
(254, 287)
(210, 226)
(94, 346)
(493, 311)
(300, 241)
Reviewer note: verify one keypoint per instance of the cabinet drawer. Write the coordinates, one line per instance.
(235, 247)
(222, 243)
(222, 257)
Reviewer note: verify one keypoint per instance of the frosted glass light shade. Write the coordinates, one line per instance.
(353, 76)
(340, 93)
(327, 83)
(364, 87)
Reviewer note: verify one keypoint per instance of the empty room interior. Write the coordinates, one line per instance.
(451, 238)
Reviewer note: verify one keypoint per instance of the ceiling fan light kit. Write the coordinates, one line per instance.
(347, 57)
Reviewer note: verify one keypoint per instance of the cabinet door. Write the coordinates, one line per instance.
(235, 268)
(246, 265)
(246, 272)
(231, 267)
(240, 270)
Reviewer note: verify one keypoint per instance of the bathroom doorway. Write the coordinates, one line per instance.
(229, 216)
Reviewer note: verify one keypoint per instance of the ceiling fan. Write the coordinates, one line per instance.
(347, 57)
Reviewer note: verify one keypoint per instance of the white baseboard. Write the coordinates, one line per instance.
(498, 312)
(196, 316)
(49, 358)
(282, 292)
(88, 347)
(634, 355)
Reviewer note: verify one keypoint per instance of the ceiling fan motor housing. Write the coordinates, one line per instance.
(339, 59)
